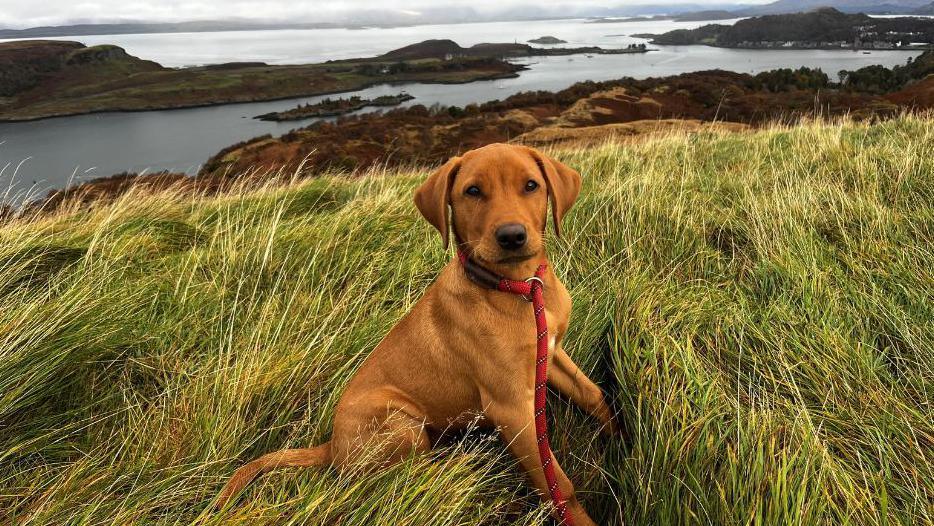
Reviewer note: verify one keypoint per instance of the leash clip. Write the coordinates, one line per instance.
(541, 285)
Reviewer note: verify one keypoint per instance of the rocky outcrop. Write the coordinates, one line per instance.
(97, 55)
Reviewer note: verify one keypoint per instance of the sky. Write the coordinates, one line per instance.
(30, 13)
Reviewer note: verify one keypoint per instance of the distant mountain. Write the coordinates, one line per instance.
(869, 7)
(699, 16)
(355, 18)
(145, 28)
(658, 9)
(786, 7)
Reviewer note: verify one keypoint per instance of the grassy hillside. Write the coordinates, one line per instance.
(758, 306)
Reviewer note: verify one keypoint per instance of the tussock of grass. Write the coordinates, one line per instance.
(758, 306)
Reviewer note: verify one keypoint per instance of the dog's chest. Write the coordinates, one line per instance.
(512, 328)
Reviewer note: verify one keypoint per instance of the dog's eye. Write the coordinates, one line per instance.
(531, 186)
(473, 191)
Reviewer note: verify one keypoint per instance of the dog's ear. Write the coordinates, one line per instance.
(434, 195)
(564, 183)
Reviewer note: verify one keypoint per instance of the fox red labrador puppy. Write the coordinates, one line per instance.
(465, 350)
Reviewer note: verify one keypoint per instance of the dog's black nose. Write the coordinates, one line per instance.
(511, 236)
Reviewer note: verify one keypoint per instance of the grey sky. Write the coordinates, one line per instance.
(29, 13)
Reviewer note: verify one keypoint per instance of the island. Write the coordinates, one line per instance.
(449, 50)
(824, 28)
(333, 107)
(547, 40)
(46, 78)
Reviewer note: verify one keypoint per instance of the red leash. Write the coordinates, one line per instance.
(531, 290)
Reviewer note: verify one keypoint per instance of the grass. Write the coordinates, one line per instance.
(757, 306)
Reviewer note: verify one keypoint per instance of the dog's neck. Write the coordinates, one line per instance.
(519, 271)
(514, 271)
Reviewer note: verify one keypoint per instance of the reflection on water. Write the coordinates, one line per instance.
(52, 152)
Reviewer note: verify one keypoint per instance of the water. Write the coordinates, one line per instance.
(51, 153)
(318, 45)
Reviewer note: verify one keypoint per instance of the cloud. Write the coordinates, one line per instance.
(29, 13)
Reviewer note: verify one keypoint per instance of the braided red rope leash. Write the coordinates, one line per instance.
(532, 290)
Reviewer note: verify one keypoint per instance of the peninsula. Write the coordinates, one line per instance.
(825, 28)
(333, 107)
(45, 78)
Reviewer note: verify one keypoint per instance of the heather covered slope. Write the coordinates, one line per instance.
(26, 67)
(758, 307)
(432, 135)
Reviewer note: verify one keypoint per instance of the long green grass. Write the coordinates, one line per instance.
(759, 308)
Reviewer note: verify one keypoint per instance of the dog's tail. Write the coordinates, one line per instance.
(302, 458)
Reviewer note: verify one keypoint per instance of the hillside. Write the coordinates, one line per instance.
(756, 305)
(876, 7)
(585, 110)
(27, 65)
(786, 7)
(826, 27)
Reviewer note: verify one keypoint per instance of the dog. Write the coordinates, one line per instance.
(465, 350)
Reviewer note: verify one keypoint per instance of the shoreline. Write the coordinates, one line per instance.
(497, 76)
(799, 48)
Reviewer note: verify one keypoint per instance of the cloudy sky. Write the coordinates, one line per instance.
(30, 13)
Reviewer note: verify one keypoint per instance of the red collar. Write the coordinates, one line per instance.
(487, 278)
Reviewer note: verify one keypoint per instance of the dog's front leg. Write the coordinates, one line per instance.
(565, 376)
(517, 427)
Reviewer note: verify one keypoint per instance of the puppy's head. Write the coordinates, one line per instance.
(498, 198)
